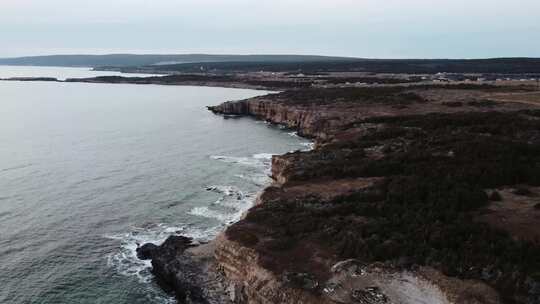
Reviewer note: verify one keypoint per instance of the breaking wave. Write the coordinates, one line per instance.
(125, 261)
(231, 204)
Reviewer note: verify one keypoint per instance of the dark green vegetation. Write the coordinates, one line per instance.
(398, 66)
(384, 95)
(369, 80)
(436, 170)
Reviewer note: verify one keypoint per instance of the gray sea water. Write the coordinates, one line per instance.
(87, 171)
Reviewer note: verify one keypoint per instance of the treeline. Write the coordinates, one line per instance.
(398, 66)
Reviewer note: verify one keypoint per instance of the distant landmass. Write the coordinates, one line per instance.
(124, 60)
(401, 66)
(205, 63)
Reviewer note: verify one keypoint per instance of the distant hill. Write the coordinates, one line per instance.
(126, 60)
(410, 66)
(194, 63)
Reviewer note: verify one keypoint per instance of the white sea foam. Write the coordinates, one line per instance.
(293, 134)
(226, 190)
(208, 213)
(126, 262)
(309, 146)
(229, 207)
(263, 156)
(260, 160)
(257, 179)
(247, 161)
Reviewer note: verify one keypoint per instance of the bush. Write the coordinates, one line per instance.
(522, 191)
(495, 196)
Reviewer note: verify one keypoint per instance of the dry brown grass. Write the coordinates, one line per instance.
(532, 98)
(515, 214)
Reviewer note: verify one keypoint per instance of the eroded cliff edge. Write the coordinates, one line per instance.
(401, 200)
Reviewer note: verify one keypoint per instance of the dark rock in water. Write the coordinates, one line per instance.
(175, 271)
(146, 251)
(304, 281)
(175, 244)
(370, 295)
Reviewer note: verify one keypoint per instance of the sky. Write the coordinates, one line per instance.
(357, 28)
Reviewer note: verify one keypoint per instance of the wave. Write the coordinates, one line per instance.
(293, 134)
(16, 167)
(259, 180)
(228, 208)
(126, 262)
(309, 146)
(235, 160)
(257, 160)
(213, 214)
(231, 204)
(263, 156)
(226, 190)
(260, 160)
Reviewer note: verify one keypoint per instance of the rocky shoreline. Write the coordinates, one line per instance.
(382, 210)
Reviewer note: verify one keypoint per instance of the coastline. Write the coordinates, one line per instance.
(276, 252)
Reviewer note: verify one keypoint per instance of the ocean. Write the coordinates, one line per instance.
(88, 171)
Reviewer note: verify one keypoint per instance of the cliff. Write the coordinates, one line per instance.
(396, 202)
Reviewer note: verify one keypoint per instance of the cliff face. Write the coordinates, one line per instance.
(309, 121)
(335, 119)
(316, 234)
(249, 282)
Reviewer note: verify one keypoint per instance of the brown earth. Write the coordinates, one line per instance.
(516, 214)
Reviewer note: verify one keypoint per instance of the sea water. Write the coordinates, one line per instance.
(89, 171)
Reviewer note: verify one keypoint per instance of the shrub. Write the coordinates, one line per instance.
(522, 191)
(495, 196)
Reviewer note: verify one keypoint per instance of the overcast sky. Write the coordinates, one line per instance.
(360, 28)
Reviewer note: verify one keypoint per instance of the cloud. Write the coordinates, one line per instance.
(367, 28)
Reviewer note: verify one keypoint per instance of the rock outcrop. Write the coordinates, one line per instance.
(186, 270)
